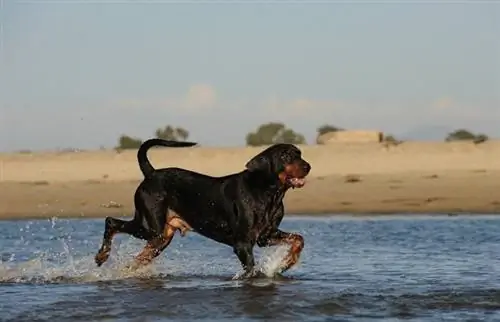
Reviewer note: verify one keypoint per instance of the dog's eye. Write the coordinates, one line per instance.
(287, 158)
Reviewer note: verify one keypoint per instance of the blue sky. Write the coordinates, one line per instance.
(80, 74)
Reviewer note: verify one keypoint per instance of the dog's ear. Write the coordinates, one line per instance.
(260, 162)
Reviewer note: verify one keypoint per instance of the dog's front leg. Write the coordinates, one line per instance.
(244, 251)
(295, 241)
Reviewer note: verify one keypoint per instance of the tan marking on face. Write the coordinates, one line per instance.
(282, 176)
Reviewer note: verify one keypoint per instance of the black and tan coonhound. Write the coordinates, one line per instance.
(238, 210)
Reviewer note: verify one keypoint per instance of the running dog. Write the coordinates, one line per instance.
(240, 210)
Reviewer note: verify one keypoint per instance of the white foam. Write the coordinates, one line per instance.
(270, 262)
(52, 267)
(272, 259)
(61, 263)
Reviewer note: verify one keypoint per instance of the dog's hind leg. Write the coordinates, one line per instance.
(154, 211)
(158, 244)
(112, 227)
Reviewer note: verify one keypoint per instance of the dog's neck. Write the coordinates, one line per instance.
(271, 184)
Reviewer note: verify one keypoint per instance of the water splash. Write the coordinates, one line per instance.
(270, 262)
(56, 252)
(61, 262)
(53, 221)
(65, 267)
(54, 267)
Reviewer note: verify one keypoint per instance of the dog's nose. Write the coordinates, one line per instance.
(306, 167)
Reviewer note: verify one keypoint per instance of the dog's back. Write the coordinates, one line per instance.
(199, 199)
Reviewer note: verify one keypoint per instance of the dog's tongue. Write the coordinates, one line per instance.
(298, 182)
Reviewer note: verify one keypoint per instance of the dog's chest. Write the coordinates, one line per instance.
(264, 218)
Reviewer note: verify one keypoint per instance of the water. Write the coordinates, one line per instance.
(352, 269)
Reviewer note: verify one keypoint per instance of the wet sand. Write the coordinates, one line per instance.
(411, 178)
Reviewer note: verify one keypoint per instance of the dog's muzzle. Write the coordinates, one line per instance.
(298, 181)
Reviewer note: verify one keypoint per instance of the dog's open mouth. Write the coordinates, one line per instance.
(297, 182)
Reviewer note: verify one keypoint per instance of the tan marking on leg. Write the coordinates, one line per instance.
(105, 249)
(151, 251)
(146, 255)
(296, 243)
(177, 223)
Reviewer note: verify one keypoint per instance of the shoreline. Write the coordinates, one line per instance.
(318, 216)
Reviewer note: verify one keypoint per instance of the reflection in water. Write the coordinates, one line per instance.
(421, 269)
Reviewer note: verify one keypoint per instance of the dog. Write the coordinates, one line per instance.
(239, 210)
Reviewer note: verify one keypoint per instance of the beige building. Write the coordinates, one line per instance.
(361, 136)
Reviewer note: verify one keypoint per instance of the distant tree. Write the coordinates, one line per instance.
(166, 133)
(390, 139)
(172, 133)
(465, 135)
(480, 138)
(326, 129)
(127, 142)
(274, 132)
(460, 135)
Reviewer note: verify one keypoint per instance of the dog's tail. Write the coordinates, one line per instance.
(142, 156)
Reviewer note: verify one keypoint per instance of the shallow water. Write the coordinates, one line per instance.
(352, 269)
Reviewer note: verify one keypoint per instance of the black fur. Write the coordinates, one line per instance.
(238, 210)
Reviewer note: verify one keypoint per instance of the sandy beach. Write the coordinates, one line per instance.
(361, 178)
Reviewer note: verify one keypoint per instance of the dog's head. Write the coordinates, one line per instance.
(283, 161)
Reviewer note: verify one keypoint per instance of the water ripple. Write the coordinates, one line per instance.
(387, 269)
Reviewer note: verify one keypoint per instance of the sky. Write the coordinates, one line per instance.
(78, 74)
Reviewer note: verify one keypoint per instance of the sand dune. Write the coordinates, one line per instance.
(413, 177)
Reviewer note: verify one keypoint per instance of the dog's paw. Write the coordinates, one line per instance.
(101, 257)
(254, 273)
